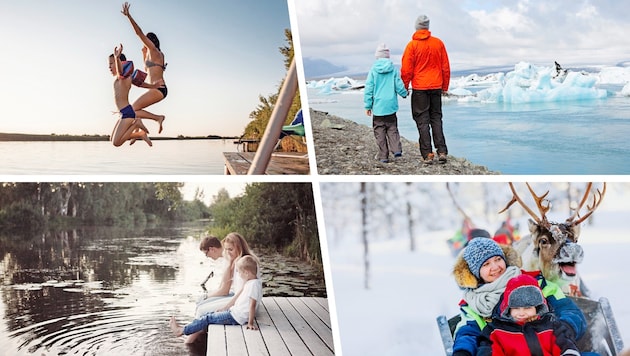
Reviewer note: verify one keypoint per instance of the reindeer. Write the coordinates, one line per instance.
(552, 247)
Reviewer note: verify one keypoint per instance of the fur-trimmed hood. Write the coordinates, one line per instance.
(466, 279)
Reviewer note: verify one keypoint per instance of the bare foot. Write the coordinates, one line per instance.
(175, 328)
(160, 121)
(147, 140)
(140, 125)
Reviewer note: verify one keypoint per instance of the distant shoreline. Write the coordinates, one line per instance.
(53, 137)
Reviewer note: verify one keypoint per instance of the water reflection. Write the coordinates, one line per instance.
(111, 290)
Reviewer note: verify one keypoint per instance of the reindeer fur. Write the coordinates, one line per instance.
(555, 252)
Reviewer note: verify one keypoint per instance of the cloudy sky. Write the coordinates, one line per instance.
(477, 33)
(221, 55)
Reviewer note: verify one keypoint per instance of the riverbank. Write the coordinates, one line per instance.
(345, 147)
(54, 137)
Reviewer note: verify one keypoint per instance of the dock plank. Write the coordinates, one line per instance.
(287, 326)
(314, 321)
(309, 337)
(238, 163)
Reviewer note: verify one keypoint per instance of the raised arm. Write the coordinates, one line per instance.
(117, 62)
(145, 40)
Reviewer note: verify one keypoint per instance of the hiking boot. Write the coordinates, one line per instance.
(442, 157)
(397, 154)
(429, 158)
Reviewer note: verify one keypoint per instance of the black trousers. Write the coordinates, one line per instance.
(426, 109)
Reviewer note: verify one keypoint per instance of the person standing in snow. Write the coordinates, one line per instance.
(380, 100)
(524, 323)
(482, 270)
(425, 65)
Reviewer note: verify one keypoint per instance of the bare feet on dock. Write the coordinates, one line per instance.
(160, 121)
(175, 328)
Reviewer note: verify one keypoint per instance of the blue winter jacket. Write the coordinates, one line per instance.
(382, 84)
(565, 309)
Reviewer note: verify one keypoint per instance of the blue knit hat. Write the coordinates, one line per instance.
(478, 251)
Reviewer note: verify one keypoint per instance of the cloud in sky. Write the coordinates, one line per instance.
(476, 33)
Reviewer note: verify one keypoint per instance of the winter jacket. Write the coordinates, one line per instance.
(537, 336)
(425, 63)
(382, 84)
(472, 324)
(503, 337)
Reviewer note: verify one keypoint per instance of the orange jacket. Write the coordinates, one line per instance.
(425, 63)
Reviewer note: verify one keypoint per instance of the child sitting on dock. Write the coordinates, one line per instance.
(524, 325)
(240, 310)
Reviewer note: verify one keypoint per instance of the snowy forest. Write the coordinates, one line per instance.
(388, 245)
(406, 210)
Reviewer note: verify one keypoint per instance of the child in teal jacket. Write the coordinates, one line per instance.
(380, 99)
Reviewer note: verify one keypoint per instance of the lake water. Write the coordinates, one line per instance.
(568, 138)
(111, 291)
(172, 157)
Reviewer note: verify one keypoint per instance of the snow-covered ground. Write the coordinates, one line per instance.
(407, 290)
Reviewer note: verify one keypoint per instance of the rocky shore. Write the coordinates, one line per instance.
(345, 147)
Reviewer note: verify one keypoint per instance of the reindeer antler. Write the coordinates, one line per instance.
(597, 199)
(542, 208)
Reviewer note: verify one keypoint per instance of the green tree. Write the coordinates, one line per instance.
(280, 216)
(261, 115)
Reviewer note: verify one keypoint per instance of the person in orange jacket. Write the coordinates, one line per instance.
(425, 65)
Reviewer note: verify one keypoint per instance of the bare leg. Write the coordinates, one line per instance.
(151, 97)
(147, 115)
(139, 134)
(192, 337)
(175, 328)
(124, 129)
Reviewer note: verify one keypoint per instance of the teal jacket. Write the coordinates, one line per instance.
(382, 84)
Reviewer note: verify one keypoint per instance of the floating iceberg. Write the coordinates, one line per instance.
(333, 85)
(531, 84)
(527, 83)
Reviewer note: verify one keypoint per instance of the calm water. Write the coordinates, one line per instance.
(572, 137)
(111, 291)
(67, 158)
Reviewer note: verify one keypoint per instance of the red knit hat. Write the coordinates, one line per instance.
(523, 291)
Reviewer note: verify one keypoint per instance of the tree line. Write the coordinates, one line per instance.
(280, 216)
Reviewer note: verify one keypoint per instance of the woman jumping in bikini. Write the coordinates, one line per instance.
(154, 66)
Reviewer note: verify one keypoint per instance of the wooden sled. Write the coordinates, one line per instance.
(602, 335)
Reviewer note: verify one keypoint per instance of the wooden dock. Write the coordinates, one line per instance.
(238, 163)
(288, 326)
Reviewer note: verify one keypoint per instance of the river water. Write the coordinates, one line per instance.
(100, 157)
(105, 291)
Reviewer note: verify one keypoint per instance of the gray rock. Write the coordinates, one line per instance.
(343, 147)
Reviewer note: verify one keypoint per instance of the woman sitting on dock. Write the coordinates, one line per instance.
(234, 246)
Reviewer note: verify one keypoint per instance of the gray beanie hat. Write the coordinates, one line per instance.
(478, 251)
(422, 22)
(382, 51)
(523, 291)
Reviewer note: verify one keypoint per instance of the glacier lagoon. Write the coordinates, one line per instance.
(529, 121)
